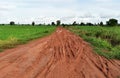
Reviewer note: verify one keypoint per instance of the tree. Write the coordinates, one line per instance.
(118, 24)
(112, 22)
(53, 23)
(33, 23)
(89, 24)
(74, 23)
(63, 25)
(101, 23)
(58, 22)
(82, 24)
(12, 23)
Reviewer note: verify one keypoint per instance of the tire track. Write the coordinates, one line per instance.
(60, 55)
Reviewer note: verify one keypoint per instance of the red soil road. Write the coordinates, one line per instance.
(60, 55)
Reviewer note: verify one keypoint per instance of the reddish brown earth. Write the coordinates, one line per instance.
(60, 55)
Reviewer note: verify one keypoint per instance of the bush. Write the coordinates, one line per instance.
(9, 43)
(112, 22)
(12, 23)
(105, 40)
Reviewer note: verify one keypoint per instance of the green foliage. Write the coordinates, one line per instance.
(9, 43)
(105, 40)
(112, 22)
(58, 22)
(89, 24)
(101, 23)
(13, 35)
(74, 23)
(12, 23)
(82, 24)
(53, 23)
(33, 23)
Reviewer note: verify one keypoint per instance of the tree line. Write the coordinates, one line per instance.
(110, 22)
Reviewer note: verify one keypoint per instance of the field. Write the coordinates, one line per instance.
(105, 40)
(13, 35)
(61, 54)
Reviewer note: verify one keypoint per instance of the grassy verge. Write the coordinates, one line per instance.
(105, 40)
(10, 36)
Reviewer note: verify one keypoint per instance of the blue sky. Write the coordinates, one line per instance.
(46, 11)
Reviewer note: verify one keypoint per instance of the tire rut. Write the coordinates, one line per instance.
(60, 55)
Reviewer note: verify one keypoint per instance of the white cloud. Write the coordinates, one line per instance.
(46, 11)
(103, 0)
(7, 6)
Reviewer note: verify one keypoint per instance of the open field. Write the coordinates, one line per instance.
(105, 40)
(59, 39)
(59, 55)
(13, 35)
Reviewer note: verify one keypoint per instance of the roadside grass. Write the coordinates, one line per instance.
(10, 36)
(104, 40)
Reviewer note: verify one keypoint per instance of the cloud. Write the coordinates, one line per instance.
(46, 11)
(103, 0)
(4, 6)
(48, 1)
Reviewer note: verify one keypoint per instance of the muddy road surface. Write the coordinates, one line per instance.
(60, 55)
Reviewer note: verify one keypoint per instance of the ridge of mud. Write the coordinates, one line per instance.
(60, 55)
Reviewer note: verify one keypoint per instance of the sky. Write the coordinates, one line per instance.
(47, 11)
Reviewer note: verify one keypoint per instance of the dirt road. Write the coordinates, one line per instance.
(60, 55)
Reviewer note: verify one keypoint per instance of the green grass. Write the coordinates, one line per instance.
(104, 40)
(10, 36)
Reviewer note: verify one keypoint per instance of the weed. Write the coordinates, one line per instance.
(105, 40)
